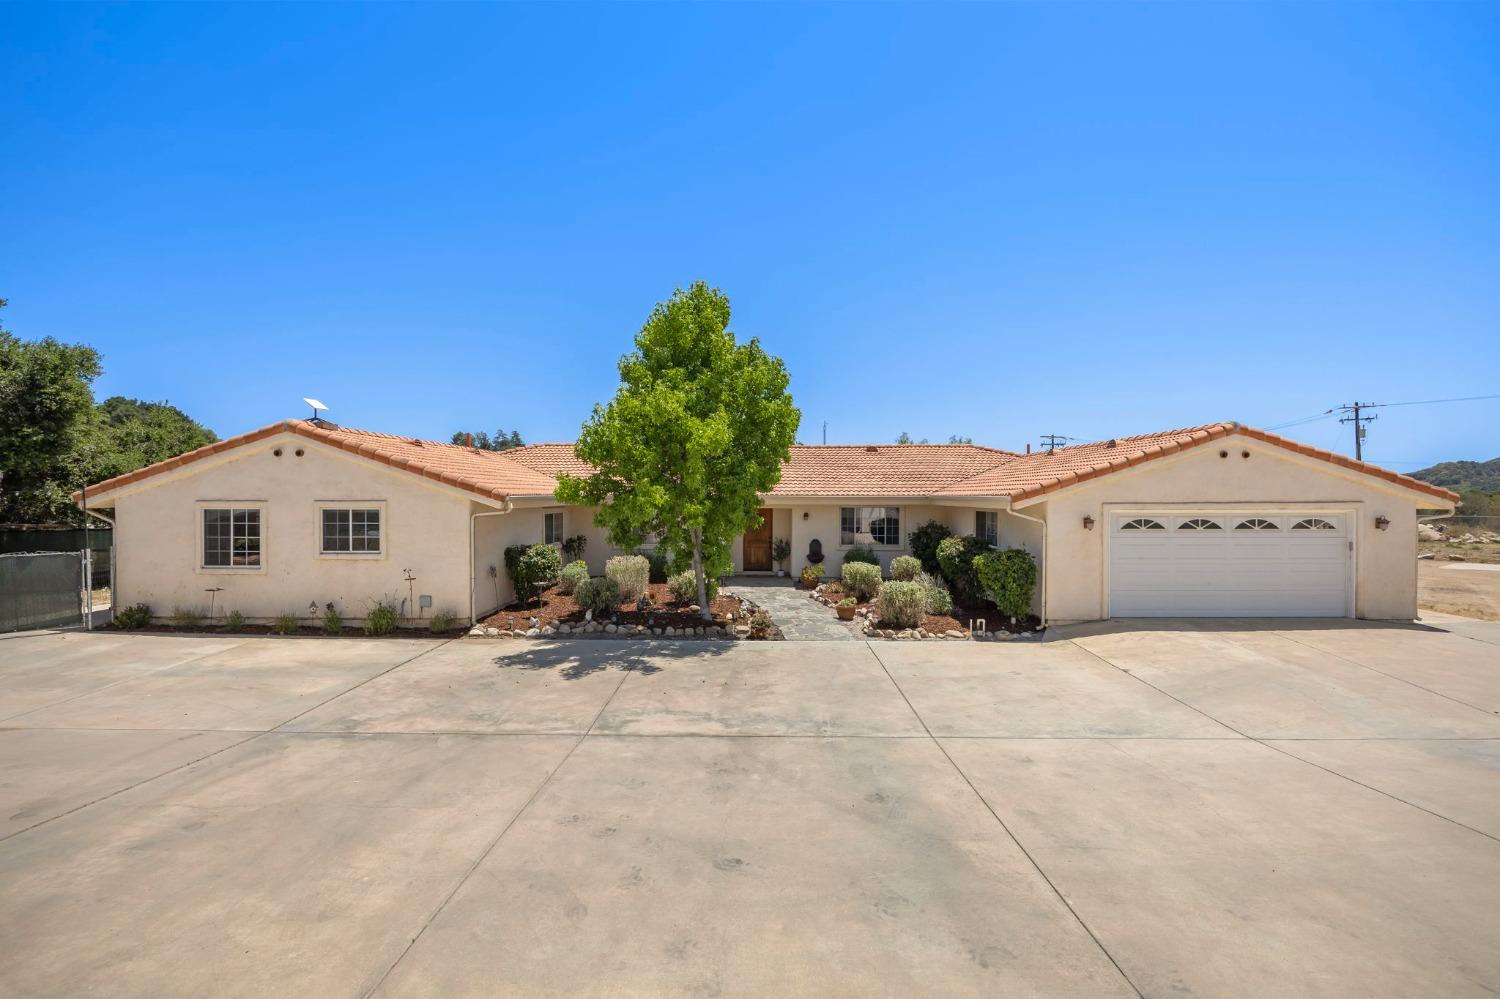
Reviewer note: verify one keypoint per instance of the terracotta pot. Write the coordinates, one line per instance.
(846, 613)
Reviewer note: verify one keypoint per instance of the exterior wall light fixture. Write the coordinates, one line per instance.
(1382, 522)
(1088, 523)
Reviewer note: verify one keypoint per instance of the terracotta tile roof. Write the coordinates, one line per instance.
(1037, 474)
(882, 469)
(549, 459)
(487, 473)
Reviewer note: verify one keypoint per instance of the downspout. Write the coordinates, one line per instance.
(1042, 582)
(474, 576)
(114, 569)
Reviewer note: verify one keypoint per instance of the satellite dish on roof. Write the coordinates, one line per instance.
(315, 404)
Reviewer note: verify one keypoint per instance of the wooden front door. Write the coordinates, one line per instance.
(757, 555)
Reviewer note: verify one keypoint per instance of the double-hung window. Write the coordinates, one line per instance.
(552, 528)
(870, 525)
(987, 526)
(351, 531)
(231, 538)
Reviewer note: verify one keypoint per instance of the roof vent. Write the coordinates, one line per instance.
(871, 448)
(1111, 443)
(416, 442)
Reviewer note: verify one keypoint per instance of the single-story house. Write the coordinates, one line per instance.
(1216, 520)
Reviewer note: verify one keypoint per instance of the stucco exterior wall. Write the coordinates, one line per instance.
(159, 532)
(1384, 561)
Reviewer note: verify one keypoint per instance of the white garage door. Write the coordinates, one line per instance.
(1229, 565)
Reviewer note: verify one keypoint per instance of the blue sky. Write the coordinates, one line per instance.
(997, 221)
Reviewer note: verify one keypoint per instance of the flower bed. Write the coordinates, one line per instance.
(934, 626)
(559, 614)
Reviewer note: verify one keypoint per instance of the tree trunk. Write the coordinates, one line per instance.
(705, 611)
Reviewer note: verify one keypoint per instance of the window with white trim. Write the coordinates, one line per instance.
(1142, 524)
(351, 531)
(870, 525)
(1313, 524)
(1199, 524)
(552, 528)
(987, 526)
(1256, 524)
(231, 538)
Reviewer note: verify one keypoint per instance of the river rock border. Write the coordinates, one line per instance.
(865, 624)
(737, 630)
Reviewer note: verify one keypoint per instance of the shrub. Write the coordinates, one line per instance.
(599, 594)
(572, 574)
(684, 588)
(383, 617)
(187, 617)
(905, 568)
(234, 621)
(443, 620)
(939, 600)
(781, 550)
(862, 579)
(924, 542)
(658, 563)
(531, 565)
(285, 624)
(630, 573)
(133, 617)
(956, 560)
(811, 574)
(760, 625)
(332, 620)
(901, 604)
(861, 553)
(573, 548)
(1008, 578)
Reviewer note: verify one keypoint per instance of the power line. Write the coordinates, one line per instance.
(1429, 402)
(1359, 425)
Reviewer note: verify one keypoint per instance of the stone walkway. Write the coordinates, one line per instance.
(800, 618)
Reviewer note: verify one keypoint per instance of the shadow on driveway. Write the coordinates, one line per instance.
(574, 660)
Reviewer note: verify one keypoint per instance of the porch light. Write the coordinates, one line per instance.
(1382, 522)
(1088, 523)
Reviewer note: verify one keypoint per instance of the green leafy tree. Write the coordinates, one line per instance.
(47, 423)
(137, 434)
(502, 441)
(697, 432)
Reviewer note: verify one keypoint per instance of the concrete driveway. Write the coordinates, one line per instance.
(1176, 809)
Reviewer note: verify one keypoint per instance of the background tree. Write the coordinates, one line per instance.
(697, 432)
(53, 439)
(484, 442)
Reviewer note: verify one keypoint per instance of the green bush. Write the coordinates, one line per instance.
(384, 616)
(939, 600)
(531, 565)
(956, 560)
(862, 579)
(572, 574)
(285, 624)
(861, 553)
(573, 548)
(1008, 578)
(901, 605)
(904, 568)
(332, 621)
(684, 587)
(599, 594)
(630, 573)
(234, 621)
(133, 617)
(187, 617)
(811, 574)
(442, 621)
(760, 625)
(924, 542)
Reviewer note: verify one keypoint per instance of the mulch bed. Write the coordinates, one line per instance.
(557, 608)
(937, 623)
(306, 631)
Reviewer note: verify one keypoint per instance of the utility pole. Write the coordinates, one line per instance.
(1359, 422)
(1051, 441)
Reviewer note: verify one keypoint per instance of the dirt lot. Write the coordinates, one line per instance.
(1469, 588)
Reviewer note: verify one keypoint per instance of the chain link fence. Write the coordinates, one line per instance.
(42, 590)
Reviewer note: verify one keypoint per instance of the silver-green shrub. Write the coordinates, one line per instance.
(572, 574)
(905, 567)
(630, 573)
(862, 579)
(901, 604)
(599, 594)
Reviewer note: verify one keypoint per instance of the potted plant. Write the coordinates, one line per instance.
(781, 550)
(811, 576)
(845, 608)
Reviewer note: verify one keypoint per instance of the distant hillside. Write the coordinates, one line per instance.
(1461, 476)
